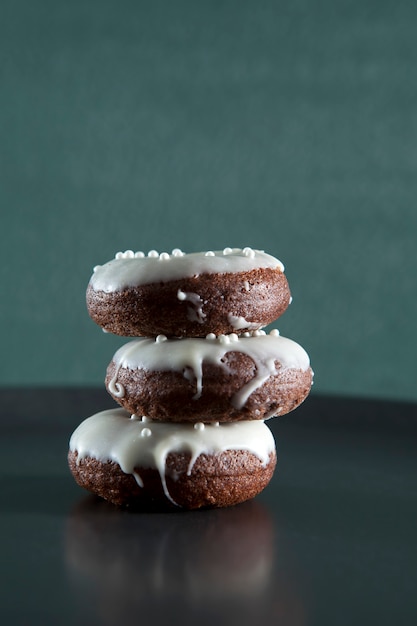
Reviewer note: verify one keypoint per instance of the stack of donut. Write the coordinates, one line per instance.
(196, 383)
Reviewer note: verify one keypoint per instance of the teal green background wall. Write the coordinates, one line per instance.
(288, 126)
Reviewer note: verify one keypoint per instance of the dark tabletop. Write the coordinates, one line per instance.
(330, 541)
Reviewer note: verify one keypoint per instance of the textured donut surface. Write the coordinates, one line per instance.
(128, 461)
(234, 290)
(225, 378)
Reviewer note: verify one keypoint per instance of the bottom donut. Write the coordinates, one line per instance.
(132, 461)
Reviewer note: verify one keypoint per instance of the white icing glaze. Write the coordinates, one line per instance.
(188, 355)
(237, 322)
(195, 312)
(131, 269)
(116, 388)
(113, 436)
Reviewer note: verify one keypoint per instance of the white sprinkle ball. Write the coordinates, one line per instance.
(211, 336)
(153, 254)
(233, 337)
(181, 295)
(146, 432)
(274, 332)
(161, 339)
(118, 255)
(249, 252)
(129, 254)
(224, 339)
(247, 334)
(210, 253)
(177, 252)
(227, 251)
(139, 255)
(164, 256)
(199, 426)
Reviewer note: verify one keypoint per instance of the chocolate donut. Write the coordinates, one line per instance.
(177, 295)
(215, 379)
(130, 461)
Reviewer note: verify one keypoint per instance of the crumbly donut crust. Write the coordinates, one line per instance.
(193, 307)
(218, 480)
(169, 396)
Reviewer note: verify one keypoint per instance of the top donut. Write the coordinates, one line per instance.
(230, 291)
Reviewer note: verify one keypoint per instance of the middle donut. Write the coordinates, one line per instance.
(216, 379)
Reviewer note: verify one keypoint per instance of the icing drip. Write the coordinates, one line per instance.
(237, 322)
(116, 388)
(195, 312)
(187, 356)
(131, 269)
(113, 436)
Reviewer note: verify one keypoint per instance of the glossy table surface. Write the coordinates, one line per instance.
(332, 540)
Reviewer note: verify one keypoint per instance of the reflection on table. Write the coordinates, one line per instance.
(131, 566)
